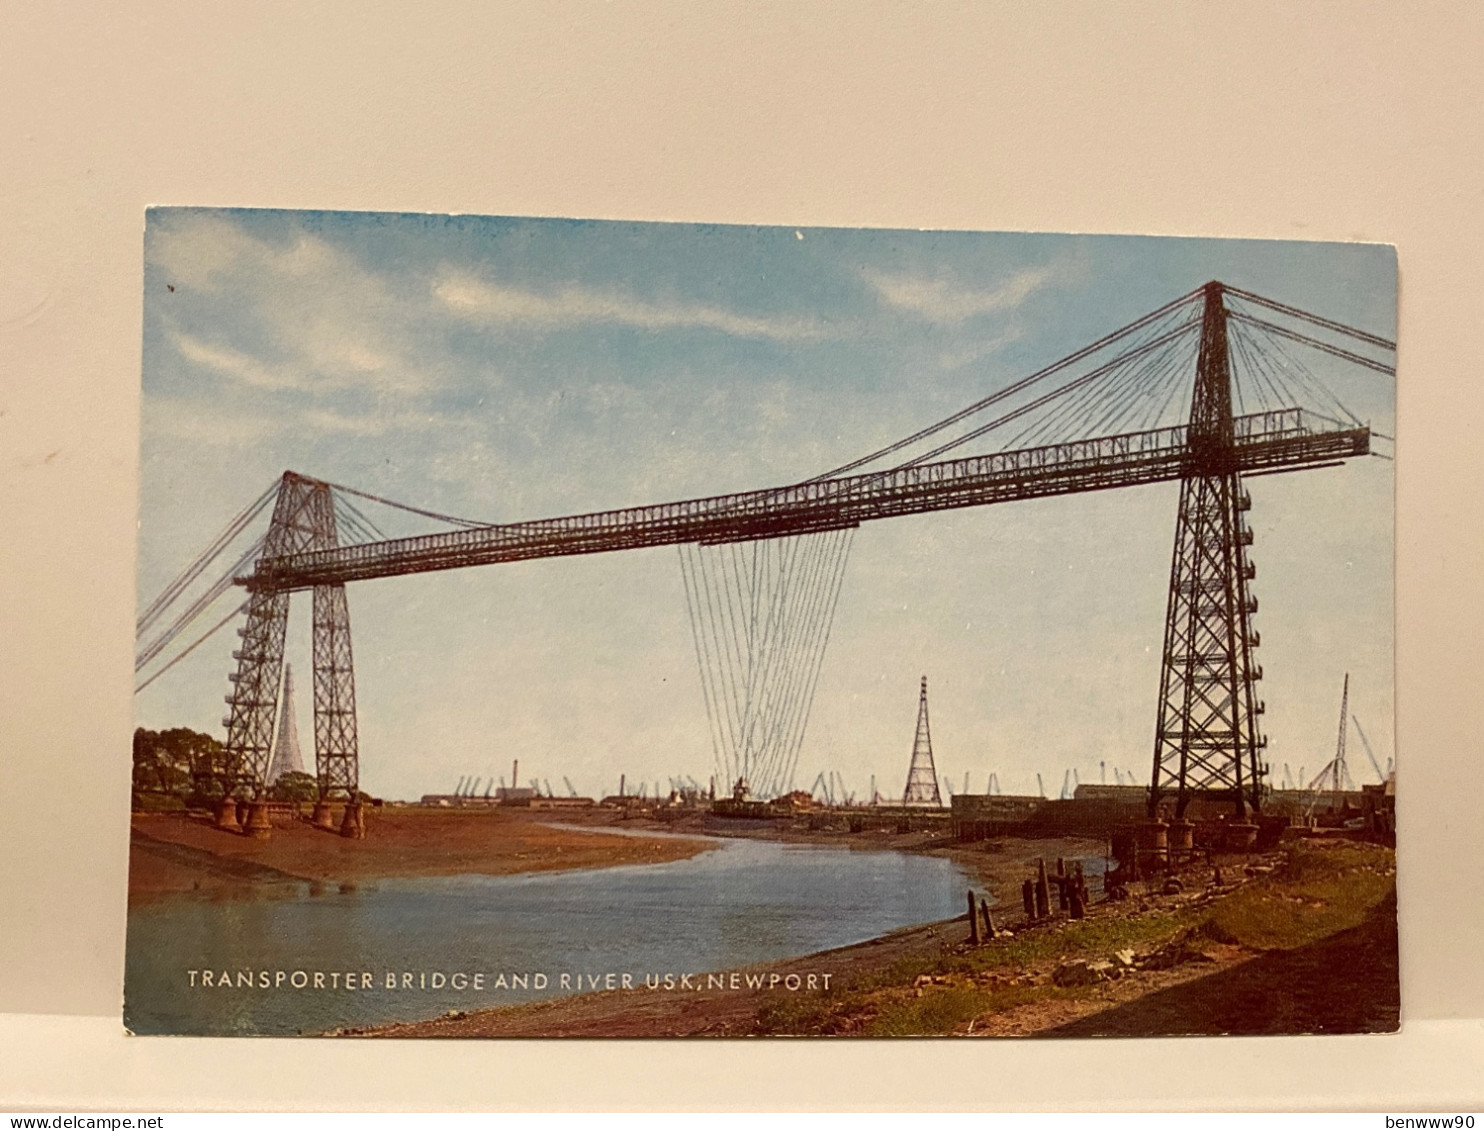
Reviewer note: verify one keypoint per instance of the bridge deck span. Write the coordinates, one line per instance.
(1281, 440)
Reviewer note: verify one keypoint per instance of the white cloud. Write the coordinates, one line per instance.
(974, 351)
(318, 421)
(480, 300)
(233, 363)
(296, 313)
(172, 418)
(205, 423)
(943, 302)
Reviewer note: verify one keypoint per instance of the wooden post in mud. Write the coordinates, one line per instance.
(1028, 897)
(1043, 892)
(973, 920)
(1062, 903)
(989, 928)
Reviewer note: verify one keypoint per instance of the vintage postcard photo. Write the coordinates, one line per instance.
(557, 627)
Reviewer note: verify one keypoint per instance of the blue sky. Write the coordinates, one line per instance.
(504, 369)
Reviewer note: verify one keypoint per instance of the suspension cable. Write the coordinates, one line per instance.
(1327, 323)
(1009, 390)
(466, 522)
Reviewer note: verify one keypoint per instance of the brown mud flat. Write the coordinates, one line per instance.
(173, 853)
(1304, 942)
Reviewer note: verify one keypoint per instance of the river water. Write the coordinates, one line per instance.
(417, 948)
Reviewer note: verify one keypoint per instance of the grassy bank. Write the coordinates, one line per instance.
(1316, 891)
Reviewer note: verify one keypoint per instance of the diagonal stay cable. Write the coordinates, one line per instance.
(1011, 389)
(1315, 343)
(198, 566)
(453, 520)
(196, 608)
(1015, 414)
(1327, 323)
(212, 631)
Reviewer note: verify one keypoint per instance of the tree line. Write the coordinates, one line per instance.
(180, 767)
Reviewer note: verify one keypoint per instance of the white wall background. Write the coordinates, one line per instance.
(1323, 120)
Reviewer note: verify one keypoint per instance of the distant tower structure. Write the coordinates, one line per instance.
(922, 778)
(286, 756)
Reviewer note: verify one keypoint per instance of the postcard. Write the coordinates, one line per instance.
(556, 627)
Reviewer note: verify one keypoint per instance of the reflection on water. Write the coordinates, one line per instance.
(459, 942)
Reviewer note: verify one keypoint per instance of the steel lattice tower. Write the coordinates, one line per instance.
(922, 777)
(286, 757)
(1206, 738)
(303, 520)
(335, 741)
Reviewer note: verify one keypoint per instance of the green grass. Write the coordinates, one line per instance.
(947, 1010)
(1320, 889)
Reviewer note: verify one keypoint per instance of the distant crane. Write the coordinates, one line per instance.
(1287, 777)
(1375, 765)
(1040, 785)
(993, 785)
(1066, 785)
(821, 788)
(1335, 775)
(571, 789)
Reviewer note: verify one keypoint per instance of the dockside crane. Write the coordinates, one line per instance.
(571, 789)
(1335, 775)
(1375, 765)
(821, 788)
